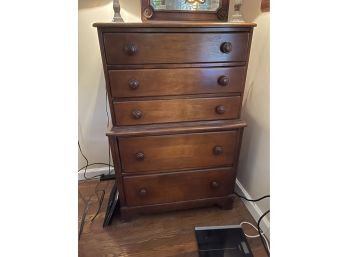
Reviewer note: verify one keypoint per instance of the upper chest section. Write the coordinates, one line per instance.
(170, 44)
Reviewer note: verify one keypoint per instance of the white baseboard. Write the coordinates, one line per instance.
(94, 172)
(253, 208)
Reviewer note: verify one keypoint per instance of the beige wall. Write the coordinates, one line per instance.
(92, 119)
(254, 159)
(254, 163)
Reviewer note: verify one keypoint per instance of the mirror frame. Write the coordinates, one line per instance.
(149, 14)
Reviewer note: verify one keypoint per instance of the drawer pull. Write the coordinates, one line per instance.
(226, 47)
(215, 184)
(133, 84)
(142, 192)
(137, 114)
(148, 12)
(223, 80)
(130, 49)
(140, 156)
(217, 150)
(220, 109)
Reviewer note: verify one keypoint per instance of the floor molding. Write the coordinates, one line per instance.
(253, 208)
(94, 172)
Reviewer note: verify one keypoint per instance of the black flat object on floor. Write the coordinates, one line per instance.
(222, 241)
(113, 206)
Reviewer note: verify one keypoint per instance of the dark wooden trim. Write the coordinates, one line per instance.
(117, 167)
(106, 74)
(265, 5)
(169, 97)
(148, 14)
(176, 128)
(172, 24)
(182, 170)
(175, 65)
(128, 213)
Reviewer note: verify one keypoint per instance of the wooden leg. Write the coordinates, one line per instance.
(126, 216)
(226, 204)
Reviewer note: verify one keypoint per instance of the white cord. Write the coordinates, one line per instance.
(245, 222)
(254, 236)
(263, 235)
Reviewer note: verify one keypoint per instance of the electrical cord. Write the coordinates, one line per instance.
(96, 191)
(95, 163)
(100, 200)
(84, 214)
(87, 165)
(88, 203)
(255, 236)
(263, 240)
(261, 234)
(252, 200)
(84, 156)
(250, 224)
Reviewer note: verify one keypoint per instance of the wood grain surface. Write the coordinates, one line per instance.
(177, 128)
(174, 187)
(158, 235)
(170, 152)
(177, 110)
(174, 47)
(162, 82)
(159, 74)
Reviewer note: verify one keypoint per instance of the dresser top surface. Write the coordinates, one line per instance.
(174, 25)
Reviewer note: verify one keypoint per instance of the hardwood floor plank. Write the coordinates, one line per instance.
(159, 235)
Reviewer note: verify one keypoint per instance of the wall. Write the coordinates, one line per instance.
(254, 163)
(254, 159)
(92, 119)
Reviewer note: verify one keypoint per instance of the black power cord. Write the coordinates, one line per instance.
(102, 176)
(260, 231)
(252, 200)
(96, 191)
(260, 219)
(87, 165)
(95, 163)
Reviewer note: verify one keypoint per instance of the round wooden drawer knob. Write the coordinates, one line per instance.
(220, 109)
(140, 156)
(130, 49)
(217, 150)
(226, 47)
(142, 192)
(223, 80)
(133, 84)
(148, 12)
(137, 114)
(215, 184)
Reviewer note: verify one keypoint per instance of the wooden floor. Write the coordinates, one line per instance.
(158, 235)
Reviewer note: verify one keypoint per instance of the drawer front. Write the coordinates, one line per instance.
(147, 48)
(174, 152)
(174, 187)
(160, 82)
(177, 110)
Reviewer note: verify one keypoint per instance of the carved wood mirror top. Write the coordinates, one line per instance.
(186, 5)
(184, 10)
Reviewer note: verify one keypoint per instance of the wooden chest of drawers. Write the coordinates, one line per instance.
(175, 92)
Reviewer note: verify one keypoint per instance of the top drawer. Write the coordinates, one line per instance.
(147, 48)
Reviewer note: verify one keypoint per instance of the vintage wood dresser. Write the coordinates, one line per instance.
(175, 92)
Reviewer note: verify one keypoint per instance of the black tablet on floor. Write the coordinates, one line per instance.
(222, 241)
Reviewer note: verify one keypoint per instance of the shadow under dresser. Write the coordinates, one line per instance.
(175, 92)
